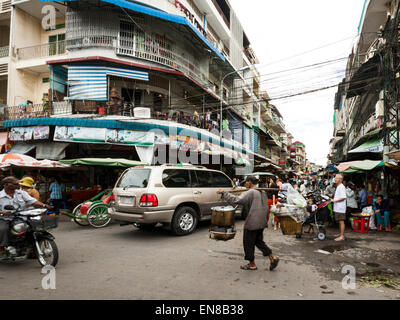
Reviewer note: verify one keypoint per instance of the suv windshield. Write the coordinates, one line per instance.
(136, 178)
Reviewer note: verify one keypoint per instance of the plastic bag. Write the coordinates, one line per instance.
(295, 198)
(370, 211)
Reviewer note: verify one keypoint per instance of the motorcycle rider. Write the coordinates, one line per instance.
(11, 195)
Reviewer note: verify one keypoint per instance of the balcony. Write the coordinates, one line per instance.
(4, 51)
(41, 51)
(144, 50)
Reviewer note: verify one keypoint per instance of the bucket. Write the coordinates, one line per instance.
(223, 216)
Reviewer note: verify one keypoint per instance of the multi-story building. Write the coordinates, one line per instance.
(366, 109)
(298, 159)
(109, 71)
(363, 114)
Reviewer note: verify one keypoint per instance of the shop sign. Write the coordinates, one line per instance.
(80, 134)
(186, 143)
(282, 161)
(29, 133)
(103, 135)
(130, 137)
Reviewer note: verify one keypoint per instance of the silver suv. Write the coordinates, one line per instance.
(175, 195)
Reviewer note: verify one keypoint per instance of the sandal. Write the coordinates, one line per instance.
(248, 267)
(274, 264)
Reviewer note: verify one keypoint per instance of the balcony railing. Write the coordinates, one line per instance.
(146, 49)
(34, 110)
(24, 111)
(4, 51)
(41, 51)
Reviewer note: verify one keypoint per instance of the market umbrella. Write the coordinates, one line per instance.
(262, 174)
(15, 158)
(19, 160)
(108, 162)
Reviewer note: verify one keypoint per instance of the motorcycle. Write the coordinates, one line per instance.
(29, 237)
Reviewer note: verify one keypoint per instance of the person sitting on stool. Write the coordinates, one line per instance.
(382, 213)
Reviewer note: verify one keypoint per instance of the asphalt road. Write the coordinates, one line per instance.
(128, 263)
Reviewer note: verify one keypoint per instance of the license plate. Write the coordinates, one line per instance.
(127, 200)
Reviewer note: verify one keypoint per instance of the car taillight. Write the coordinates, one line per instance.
(113, 197)
(148, 200)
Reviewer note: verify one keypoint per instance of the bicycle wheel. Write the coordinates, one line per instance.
(77, 216)
(98, 216)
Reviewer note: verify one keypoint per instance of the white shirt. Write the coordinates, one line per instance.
(340, 193)
(21, 200)
(351, 199)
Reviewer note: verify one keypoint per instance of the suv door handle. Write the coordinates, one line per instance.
(197, 192)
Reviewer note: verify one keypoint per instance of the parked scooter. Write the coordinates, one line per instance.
(29, 238)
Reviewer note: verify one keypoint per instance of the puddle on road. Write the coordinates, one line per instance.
(373, 264)
(333, 248)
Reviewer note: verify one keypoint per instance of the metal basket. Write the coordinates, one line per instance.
(218, 233)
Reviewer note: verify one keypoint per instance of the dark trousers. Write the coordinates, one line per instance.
(3, 233)
(57, 204)
(252, 239)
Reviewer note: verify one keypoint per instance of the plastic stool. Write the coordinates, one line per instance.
(361, 224)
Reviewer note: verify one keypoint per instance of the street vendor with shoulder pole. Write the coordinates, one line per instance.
(257, 203)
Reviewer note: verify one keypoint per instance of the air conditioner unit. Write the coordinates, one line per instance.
(143, 113)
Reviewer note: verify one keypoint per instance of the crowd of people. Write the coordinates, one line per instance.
(347, 198)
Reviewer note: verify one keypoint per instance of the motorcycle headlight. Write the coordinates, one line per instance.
(19, 227)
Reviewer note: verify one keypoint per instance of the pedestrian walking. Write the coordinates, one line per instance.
(56, 195)
(339, 206)
(255, 223)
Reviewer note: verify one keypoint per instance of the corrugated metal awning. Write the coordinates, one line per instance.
(22, 148)
(89, 82)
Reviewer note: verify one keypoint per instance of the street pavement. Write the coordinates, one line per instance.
(127, 263)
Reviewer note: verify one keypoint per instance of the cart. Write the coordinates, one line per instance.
(94, 211)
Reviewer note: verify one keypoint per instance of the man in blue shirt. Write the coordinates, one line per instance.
(362, 200)
(56, 195)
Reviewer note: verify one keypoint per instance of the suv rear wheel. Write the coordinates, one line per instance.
(184, 221)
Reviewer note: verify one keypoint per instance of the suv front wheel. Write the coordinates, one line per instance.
(184, 221)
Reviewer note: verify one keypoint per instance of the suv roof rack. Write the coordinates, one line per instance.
(183, 165)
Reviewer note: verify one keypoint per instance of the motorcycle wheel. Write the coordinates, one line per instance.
(98, 216)
(50, 253)
(77, 212)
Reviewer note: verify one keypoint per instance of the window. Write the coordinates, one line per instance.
(57, 44)
(136, 178)
(173, 178)
(219, 180)
(201, 179)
